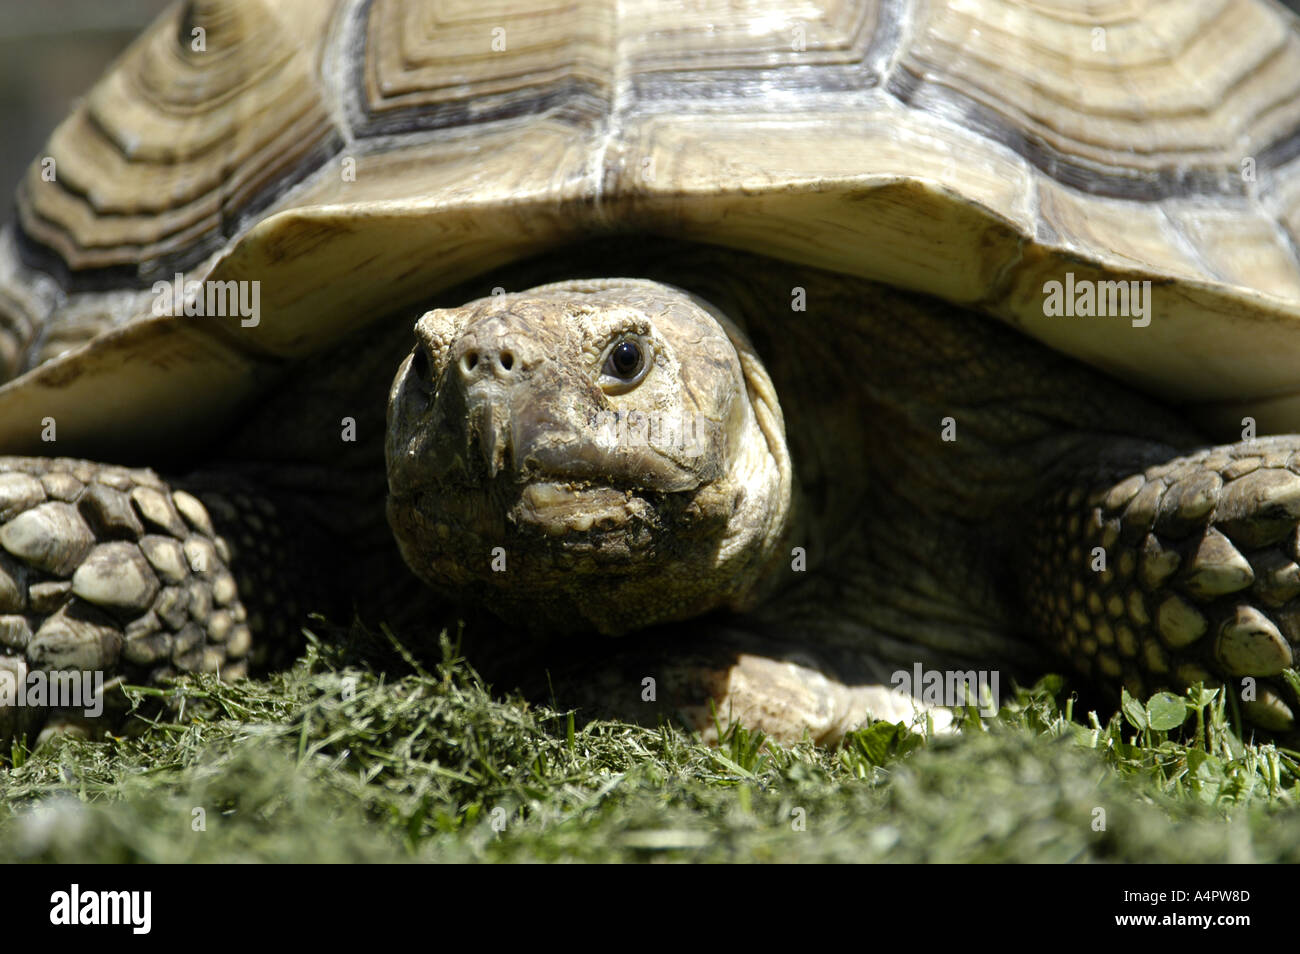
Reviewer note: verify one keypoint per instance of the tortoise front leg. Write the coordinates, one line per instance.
(1183, 572)
(707, 675)
(108, 572)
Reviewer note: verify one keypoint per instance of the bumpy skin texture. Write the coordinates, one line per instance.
(1195, 580)
(512, 482)
(108, 569)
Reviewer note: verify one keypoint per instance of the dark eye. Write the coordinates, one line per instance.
(625, 360)
(626, 363)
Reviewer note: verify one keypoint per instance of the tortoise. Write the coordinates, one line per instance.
(746, 360)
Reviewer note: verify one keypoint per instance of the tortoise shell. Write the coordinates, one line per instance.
(354, 157)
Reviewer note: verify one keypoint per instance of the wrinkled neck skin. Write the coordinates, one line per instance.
(914, 540)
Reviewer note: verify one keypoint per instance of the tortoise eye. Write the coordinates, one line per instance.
(625, 364)
(625, 360)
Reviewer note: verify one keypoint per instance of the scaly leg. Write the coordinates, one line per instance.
(1182, 572)
(106, 571)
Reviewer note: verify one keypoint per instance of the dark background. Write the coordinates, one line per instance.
(51, 52)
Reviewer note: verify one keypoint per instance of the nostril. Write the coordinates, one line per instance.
(507, 360)
(469, 361)
(420, 367)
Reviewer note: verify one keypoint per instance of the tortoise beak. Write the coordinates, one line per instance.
(522, 410)
(489, 429)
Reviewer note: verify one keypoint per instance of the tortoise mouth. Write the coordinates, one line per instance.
(548, 512)
(559, 508)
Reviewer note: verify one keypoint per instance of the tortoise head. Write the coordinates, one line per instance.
(591, 455)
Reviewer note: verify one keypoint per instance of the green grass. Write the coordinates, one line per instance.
(360, 753)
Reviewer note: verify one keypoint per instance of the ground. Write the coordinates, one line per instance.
(362, 752)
